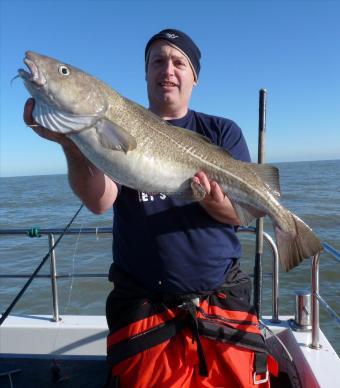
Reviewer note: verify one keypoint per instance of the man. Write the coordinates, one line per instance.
(175, 262)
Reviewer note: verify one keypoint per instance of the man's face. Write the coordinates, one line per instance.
(169, 77)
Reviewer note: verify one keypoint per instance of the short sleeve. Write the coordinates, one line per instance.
(232, 140)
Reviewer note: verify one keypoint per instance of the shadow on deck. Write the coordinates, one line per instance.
(40, 373)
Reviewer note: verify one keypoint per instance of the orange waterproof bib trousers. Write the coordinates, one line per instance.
(199, 340)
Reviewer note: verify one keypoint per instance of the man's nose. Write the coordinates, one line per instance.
(168, 68)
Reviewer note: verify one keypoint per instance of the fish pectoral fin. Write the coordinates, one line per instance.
(114, 137)
(246, 213)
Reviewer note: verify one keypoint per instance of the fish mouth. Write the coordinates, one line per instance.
(34, 75)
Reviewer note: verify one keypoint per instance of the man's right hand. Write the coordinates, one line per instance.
(97, 191)
(46, 133)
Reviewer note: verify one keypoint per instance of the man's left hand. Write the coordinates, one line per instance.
(213, 190)
(215, 202)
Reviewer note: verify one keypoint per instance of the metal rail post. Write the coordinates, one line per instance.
(315, 302)
(53, 270)
(275, 277)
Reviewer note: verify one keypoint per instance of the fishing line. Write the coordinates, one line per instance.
(43, 261)
(57, 375)
(73, 269)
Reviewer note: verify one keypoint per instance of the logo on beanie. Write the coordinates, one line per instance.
(171, 36)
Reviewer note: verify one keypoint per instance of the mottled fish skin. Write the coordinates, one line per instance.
(139, 150)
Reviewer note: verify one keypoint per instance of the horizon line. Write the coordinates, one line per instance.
(65, 173)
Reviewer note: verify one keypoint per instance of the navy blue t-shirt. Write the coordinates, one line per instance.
(174, 246)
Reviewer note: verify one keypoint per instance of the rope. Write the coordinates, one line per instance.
(34, 232)
(43, 261)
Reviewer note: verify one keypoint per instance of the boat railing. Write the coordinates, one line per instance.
(275, 265)
(316, 297)
(51, 232)
(315, 286)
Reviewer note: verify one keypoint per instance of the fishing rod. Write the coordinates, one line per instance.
(43, 261)
(259, 221)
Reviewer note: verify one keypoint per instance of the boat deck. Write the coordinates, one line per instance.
(71, 353)
(34, 373)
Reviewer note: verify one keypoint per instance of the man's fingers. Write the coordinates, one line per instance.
(29, 105)
(216, 192)
(212, 188)
(28, 118)
(44, 132)
(204, 181)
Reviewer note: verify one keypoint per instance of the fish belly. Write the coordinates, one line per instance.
(135, 169)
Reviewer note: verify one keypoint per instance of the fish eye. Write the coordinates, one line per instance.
(64, 70)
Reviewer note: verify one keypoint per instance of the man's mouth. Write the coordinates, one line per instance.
(34, 75)
(168, 84)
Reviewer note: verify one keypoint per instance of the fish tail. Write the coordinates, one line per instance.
(297, 244)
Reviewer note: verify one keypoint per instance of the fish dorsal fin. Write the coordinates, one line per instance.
(269, 175)
(114, 137)
(58, 121)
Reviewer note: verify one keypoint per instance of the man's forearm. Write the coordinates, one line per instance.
(97, 191)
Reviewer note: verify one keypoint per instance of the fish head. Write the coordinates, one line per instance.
(62, 87)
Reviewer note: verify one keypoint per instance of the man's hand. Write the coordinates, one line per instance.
(214, 193)
(46, 133)
(215, 202)
(96, 190)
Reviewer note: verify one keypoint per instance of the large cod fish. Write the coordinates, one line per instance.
(139, 150)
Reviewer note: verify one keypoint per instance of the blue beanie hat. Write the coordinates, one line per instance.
(183, 42)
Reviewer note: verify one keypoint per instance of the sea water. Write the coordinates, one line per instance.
(309, 189)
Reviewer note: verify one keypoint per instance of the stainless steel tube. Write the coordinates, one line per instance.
(303, 310)
(275, 282)
(53, 269)
(315, 302)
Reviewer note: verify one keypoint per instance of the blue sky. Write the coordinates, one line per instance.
(292, 48)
